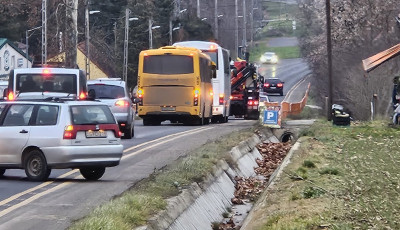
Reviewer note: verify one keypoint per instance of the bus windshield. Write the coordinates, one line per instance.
(168, 64)
(213, 55)
(62, 83)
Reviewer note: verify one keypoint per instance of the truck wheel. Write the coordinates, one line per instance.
(2, 171)
(92, 173)
(36, 168)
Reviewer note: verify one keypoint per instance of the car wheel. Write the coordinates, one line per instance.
(281, 93)
(92, 173)
(36, 167)
(128, 132)
(2, 171)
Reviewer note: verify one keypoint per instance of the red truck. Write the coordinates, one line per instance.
(244, 90)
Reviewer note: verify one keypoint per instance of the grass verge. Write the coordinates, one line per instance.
(136, 206)
(354, 184)
(286, 52)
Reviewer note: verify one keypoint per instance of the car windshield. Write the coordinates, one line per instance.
(269, 54)
(91, 114)
(61, 83)
(104, 91)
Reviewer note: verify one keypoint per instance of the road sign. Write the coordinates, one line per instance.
(271, 117)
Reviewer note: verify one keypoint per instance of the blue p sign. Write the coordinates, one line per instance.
(270, 117)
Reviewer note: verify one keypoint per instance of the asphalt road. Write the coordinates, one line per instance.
(66, 196)
(291, 71)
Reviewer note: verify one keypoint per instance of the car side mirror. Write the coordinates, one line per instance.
(91, 94)
(136, 100)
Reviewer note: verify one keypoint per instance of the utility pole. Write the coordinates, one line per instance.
(150, 34)
(236, 29)
(198, 8)
(216, 19)
(252, 23)
(71, 33)
(125, 67)
(170, 31)
(87, 56)
(329, 51)
(44, 32)
(244, 26)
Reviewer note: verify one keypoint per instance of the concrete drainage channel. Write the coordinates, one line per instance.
(201, 205)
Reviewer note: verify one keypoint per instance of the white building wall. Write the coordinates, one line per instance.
(12, 59)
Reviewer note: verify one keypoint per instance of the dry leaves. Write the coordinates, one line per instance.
(248, 189)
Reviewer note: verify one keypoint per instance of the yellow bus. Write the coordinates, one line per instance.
(174, 83)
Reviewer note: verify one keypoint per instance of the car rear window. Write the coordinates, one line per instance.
(62, 83)
(104, 91)
(91, 114)
(168, 64)
(273, 80)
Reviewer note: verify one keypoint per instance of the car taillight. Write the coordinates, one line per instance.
(196, 97)
(82, 96)
(69, 132)
(221, 99)
(119, 134)
(279, 85)
(10, 96)
(122, 103)
(266, 85)
(252, 102)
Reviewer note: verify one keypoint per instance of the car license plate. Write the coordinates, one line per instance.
(95, 134)
(168, 109)
(273, 87)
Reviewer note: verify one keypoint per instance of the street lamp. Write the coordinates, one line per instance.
(125, 64)
(151, 28)
(27, 43)
(87, 36)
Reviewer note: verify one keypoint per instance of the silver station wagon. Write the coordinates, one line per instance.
(39, 136)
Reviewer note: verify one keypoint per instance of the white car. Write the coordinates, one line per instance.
(58, 134)
(114, 93)
(269, 58)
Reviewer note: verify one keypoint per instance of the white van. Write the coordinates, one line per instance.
(222, 83)
(40, 83)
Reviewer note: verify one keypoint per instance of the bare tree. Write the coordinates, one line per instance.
(359, 29)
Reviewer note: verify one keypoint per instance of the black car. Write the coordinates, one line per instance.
(273, 85)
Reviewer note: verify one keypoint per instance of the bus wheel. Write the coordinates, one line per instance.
(146, 121)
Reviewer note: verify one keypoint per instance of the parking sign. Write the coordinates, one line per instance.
(270, 117)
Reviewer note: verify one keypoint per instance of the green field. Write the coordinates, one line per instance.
(282, 52)
(341, 178)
